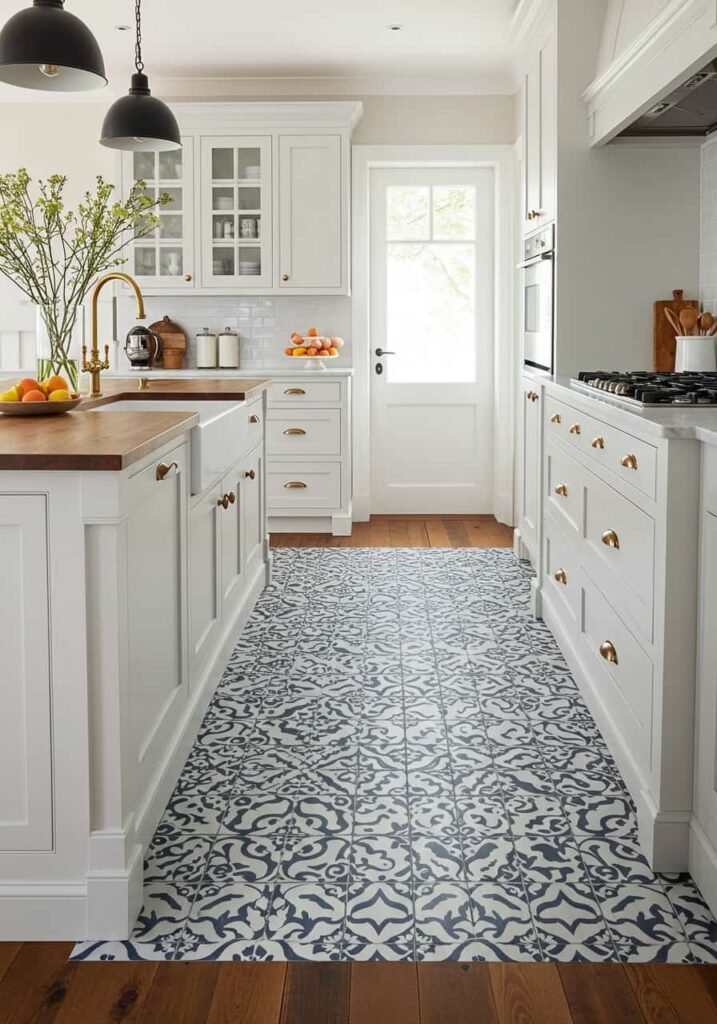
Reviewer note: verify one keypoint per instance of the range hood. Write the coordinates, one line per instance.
(691, 109)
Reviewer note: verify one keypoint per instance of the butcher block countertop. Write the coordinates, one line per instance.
(86, 440)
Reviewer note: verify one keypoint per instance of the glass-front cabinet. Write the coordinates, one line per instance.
(236, 230)
(165, 257)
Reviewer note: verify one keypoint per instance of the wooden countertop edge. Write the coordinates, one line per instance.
(170, 389)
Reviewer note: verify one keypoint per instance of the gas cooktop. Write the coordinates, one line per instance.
(643, 387)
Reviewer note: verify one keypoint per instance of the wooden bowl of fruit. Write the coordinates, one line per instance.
(30, 397)
(314, 348)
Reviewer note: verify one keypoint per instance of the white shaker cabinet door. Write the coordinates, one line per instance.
(312, 239)
(25, 698)
(156, 547)
(530, 465)
(706, 716)
(232, 540)
(253, 509)
(205, 585)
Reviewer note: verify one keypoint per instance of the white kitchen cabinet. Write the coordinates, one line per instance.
(312, 212)
(540, 133)
(165, 259)
(232, 559)
(529, 468)
(25, 694)
(235, 224)
(252, 508)
(157, 614)
(205, 596)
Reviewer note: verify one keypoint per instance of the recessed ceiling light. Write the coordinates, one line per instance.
(395, 28)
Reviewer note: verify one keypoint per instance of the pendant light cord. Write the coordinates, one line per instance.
(138, 62)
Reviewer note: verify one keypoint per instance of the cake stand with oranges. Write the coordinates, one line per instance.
(30, 397)
(314, 348)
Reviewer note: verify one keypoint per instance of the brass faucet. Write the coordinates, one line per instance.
(95, 366)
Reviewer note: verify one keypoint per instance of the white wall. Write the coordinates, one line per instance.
(708, 239)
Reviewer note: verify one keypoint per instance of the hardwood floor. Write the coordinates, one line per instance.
(38, 985)
(409, 532)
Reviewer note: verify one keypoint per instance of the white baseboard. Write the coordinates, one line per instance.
(703, 864)
(42, 913)
(361, 508)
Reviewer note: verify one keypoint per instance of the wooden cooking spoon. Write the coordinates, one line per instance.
(688, 320)
(673, 321)
(706, 321)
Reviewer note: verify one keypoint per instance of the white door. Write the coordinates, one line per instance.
(431, 300)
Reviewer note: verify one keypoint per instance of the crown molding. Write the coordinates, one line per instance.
(526, 16)
(233, 116)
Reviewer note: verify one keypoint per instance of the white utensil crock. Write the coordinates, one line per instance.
(695, 354)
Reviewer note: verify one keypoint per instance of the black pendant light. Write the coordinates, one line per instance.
(46, 47)
(139, 121)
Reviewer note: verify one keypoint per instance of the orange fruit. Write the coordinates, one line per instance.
(296, 337)
(28, 384)
(55, 383)
(312, 351)
(34, 396)
(288, 351)
(313, 332)
(333, 351)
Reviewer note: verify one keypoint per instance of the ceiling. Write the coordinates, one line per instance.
(460, 40)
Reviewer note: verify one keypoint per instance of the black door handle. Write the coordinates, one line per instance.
(382, 352)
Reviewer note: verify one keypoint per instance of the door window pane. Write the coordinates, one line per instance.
(223, 262)
(430, 313)
(171, 262)
(144, 166)
(454, 212)
(249, 261)
(170, 225)
(223, 227)
(223, 163)
(170, 164)
(175, 199)
(408, 212)
(249, 198)
(145, 262)
(223, 198)
(249, 164)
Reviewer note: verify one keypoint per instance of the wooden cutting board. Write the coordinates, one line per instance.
(173, 342)
(663, 351)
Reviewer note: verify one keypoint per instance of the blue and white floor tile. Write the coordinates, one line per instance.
(397, 765)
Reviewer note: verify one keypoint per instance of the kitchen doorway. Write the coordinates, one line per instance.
(431, 328)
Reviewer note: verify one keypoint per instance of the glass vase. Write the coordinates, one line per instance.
(59, 356)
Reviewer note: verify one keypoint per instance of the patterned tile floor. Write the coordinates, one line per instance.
(398, 765)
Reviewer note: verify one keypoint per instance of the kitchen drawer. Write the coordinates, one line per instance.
(622, 538)
(255, 426)
(624, 686)
(631, 459)
(564, 486)
(303, 392)
(561, 567)
(304, 432)
(303, 485)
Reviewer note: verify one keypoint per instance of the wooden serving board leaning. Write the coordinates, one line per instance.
(663, 352)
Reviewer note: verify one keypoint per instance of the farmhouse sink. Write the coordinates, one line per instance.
(217, 441)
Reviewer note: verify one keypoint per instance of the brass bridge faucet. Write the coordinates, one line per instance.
(95, 365)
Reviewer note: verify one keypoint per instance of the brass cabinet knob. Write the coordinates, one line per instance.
(231, 497)
(284, 277)
(629, 461)
(294, 431)
(253, 419)
(608, 652)
(562, 490)
(187, 277)
(294, 485)
(610, 539)
(250, 474)
(294, 391)
(529, 395)
(163, 470)
(223, 501)
(535, 397)
(560, 576)
(575, 429)
(143, 384)
(556, 418)
(598, 442)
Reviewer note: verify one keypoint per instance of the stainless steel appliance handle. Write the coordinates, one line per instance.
(535, 259)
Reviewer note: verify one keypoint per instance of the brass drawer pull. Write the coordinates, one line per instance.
(294, 391)
(608, 652)
(253, 418)
(560, 576)
(610, 539)
(556, 418)
(562, 490)
(629, 461)
(250, 474)
(223, 501)
(575, 429)
(232, 497)
(294, 485)
(164, 470)
(598, 442)
(533, 396)
(294, 432)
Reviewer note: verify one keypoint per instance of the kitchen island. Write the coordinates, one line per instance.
(124, 590)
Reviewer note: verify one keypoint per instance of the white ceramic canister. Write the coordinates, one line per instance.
(206, 350)
(229, 349)
(696, 354)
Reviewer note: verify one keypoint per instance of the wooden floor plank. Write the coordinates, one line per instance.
(34, 986)
(674, 993)
(247, 993)
(379, 535)
(437, 536)
(384, 994)
(181, 993)
(316, 994)
(409, 531)
(530, 994)
(599, 994)
(455, 993)
(398, 533)
(457, 533)
(107, 993)
(8, 952)
(417, 536)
